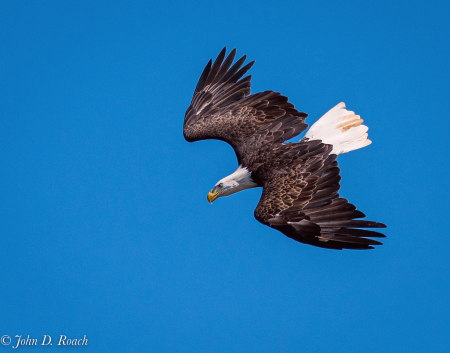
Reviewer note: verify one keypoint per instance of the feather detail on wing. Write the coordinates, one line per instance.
(222, 108)
(218, 87)
(301, 200)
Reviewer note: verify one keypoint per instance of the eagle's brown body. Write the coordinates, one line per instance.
(300, 180)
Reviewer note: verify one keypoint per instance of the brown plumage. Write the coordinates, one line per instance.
(300, 180)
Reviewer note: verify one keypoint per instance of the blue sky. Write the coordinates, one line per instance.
(105, 228)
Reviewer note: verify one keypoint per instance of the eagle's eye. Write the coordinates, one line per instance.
(220, 185)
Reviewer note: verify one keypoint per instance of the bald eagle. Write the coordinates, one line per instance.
(300, 180)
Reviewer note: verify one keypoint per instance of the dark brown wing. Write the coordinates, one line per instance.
(219, 86)
(301, 200)
(222, 108)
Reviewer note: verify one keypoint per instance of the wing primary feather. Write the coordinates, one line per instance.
(360, 233)
(348, 239)
(215, 67)
(242, 86)
(338, 216)
(236, 66)
(316, 204)
(353, 224)
(225, 66)
(230, 99)
(204, 75)
(241, 72)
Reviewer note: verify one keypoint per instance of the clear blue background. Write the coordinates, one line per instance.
(105, 228)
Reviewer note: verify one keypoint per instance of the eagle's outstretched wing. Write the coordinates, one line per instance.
(301, 200)
(222, 108)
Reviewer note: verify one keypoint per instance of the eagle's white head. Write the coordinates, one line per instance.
(240, 180)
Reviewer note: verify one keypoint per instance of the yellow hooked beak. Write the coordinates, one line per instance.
(213, 195)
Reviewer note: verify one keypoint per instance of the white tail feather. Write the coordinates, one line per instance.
(340, 128)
